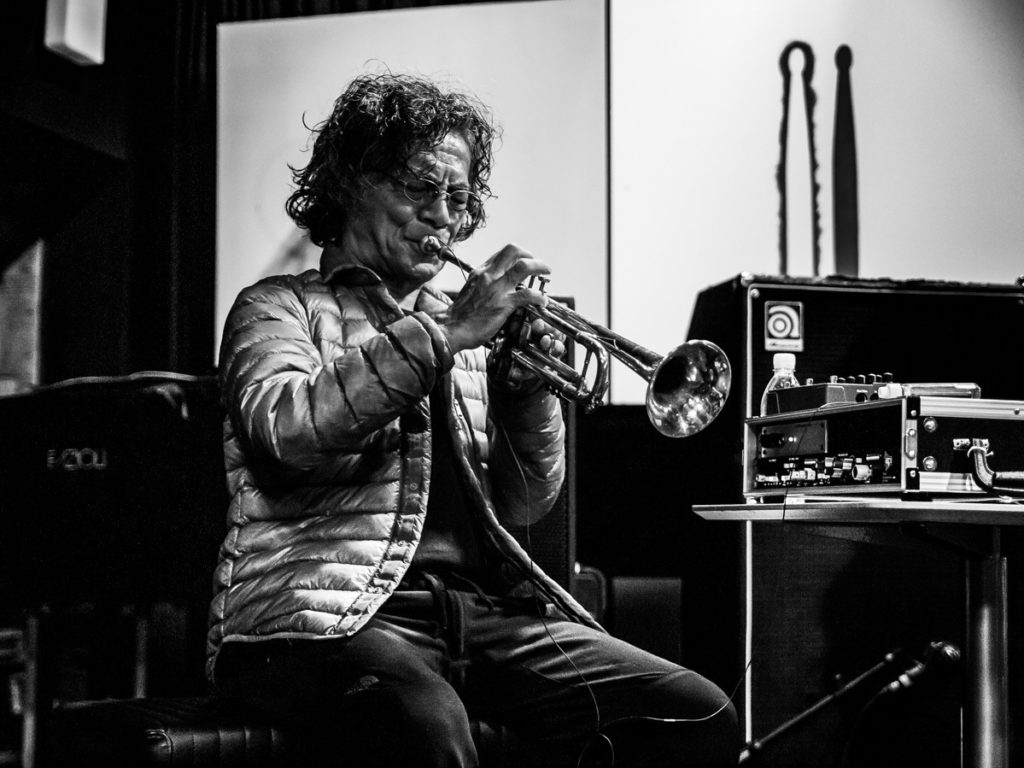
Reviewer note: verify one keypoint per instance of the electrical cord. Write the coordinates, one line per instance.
(534, 573)
(995, 483)
(778, 596)
(599, 736)
(602, 736)
(937, 656)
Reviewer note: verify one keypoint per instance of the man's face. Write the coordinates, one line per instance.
(385, 234)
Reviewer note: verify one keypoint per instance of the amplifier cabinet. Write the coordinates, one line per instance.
(111, 489)
(813, 609)
(906, 445)
(917, 330)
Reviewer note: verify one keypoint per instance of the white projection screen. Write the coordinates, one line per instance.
(696, 104)
(541, 68)
(641, 139)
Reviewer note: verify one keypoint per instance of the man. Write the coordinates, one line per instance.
(367, 594)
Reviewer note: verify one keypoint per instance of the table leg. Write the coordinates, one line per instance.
(986, 731)
(30, 702)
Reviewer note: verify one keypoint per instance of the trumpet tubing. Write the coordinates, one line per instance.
(686, 389)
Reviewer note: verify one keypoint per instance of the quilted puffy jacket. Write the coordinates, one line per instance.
(325, 381)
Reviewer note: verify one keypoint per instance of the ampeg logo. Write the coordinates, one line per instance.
(74, 459)
(784, 326)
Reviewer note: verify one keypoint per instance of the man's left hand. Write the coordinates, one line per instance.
(548, 340)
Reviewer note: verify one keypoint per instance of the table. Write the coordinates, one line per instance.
(974, 527)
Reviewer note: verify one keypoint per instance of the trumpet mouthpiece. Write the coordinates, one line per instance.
(432, 246)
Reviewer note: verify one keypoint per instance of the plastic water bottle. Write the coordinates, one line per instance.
(783, 377)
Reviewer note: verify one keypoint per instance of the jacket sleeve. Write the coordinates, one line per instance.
(527, 453)
(294, 396)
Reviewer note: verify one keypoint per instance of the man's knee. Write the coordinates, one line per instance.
(709, 734)
(431, 713)
(708, 742)
(703, 727)
(424, 720)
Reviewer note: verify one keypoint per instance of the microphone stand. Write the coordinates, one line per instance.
(752, 748)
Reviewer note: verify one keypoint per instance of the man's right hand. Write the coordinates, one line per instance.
(491, 293)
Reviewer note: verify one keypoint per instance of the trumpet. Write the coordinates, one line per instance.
(686, 389)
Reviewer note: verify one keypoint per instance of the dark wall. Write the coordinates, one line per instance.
(113, 167)
(635, 494)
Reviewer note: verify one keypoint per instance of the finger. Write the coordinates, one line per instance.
(523, 296)
(526, 267)
(514, 265)
(549, 345)
(539, 328)
(500, 263)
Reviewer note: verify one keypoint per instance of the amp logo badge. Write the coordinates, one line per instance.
(784, 326)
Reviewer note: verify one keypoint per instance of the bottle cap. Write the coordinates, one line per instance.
(784, 360)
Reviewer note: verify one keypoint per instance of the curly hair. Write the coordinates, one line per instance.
(377, 125)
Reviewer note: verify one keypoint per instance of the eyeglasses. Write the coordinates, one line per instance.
(419, 190)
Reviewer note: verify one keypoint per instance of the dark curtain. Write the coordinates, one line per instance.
(171, 116)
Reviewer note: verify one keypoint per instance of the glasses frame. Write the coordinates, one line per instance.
(434, 191)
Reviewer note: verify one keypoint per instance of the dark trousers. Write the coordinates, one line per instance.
(402, 690)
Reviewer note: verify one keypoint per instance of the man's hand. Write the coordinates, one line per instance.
(541, 335)
(491, 293)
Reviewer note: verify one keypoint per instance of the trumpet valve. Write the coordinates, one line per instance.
(540, 282)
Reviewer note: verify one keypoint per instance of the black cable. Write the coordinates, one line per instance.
(995, 483)
(599, 727)
(535, 575)
(610, 744)
(937, 656)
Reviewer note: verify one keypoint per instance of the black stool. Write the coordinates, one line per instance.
(199, 732)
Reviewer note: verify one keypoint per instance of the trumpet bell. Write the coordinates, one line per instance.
(688, 388)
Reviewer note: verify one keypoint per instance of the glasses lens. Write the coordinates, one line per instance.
(463, 200)
(424, 190)
(418, 190)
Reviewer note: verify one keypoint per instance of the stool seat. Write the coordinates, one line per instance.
(198, 732)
